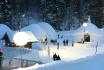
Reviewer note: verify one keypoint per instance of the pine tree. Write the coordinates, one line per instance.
(5, 11)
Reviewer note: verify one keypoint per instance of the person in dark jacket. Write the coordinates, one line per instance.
(58, 57)
(54, 57)
(64, 42)
(57, 45)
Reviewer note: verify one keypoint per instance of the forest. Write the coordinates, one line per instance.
(61, 14)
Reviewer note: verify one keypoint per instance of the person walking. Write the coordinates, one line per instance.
(64, 42)
(57, 45)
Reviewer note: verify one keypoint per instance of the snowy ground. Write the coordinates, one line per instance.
(72, 58)
(78, 57)
(75, 57)
(90, 63)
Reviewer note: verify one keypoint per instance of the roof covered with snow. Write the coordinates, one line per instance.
(36, 30)
(31, 37)
(4, 29)
(90, 28)
(49, 30)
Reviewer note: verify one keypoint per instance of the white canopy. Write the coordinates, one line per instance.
(51, 34)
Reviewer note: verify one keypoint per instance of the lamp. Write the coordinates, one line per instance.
(20, 38)
(84, 25)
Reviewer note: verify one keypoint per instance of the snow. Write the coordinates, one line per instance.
(89, 63)
(4, 29)
(89, 28)
(51, 34)
(21, 38)
(77, 57)
(37, 46)
(95, 33)
(66, 35)
(36, 30)
(31, 37)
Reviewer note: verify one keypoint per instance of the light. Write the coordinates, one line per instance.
(84, 24)
(23, 15)
(20, 38)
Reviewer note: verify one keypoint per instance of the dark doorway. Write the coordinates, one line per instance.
(6, 39)
(86, 37)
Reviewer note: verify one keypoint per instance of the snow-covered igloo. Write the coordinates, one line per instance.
(50, 32)
(92, 30)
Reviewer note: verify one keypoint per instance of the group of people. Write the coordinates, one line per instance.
(65, 42)
(60, 36)
(56, 57)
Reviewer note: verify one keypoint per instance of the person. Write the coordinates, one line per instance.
(58, 57)
(64, 42)
(57, 45)
(54, 57)
(58, 36)
(1, 56)
(48, 50)
(46, 41)
(72, 43)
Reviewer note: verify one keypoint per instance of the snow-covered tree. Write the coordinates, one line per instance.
(5, 11)
(61, 14)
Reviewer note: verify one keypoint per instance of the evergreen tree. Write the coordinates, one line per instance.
(61, 14)
(5, 11)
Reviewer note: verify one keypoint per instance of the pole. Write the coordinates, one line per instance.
(84, 35)
(21, 56)
(96, 48)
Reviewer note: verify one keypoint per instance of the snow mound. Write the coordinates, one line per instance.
(90, 28)
(49, 30)
(90, 63)
(36, 30)
(95, 33)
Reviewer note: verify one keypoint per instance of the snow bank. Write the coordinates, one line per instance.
(90, 63)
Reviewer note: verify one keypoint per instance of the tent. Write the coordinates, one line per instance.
(51, 34)
(92, 30)
(36, 30)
